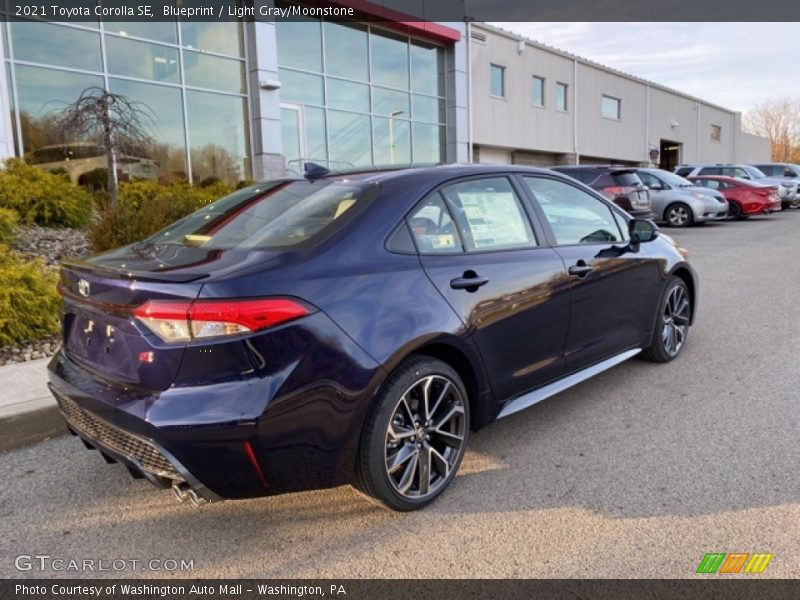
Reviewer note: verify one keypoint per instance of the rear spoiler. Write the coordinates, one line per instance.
(86, 267)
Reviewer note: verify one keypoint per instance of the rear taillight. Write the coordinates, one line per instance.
(183, 321)
(623, 190)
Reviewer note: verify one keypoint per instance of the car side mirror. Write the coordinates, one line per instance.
(642, 230)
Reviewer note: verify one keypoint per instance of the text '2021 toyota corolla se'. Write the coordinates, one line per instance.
(355, 328)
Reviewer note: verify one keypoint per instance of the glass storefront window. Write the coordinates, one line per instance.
(427, 69)
(291, 133)
(428, 143)
(41, 93)
(300, 44)
(213, 72)
(346, 51)
(159, 31)
(142, 60)
(223, 37)
(165, 156)
(7, 70)
(347, 95)
(389, 61)
(386, 102)
(301, 87)
(57, 45)
(218, 136)
(316, 147)
(350, 140)
(428, 109)
(392, 141)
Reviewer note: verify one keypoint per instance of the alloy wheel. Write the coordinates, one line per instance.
(678, 216)
(425, 437)
(676, 320)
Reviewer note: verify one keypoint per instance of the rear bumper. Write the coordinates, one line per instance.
(290, 423)
(143, 457)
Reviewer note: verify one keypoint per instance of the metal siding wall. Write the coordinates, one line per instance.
(621, 140)
(513, 121)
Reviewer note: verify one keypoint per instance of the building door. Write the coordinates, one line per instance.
(670, 155)
(293, 136)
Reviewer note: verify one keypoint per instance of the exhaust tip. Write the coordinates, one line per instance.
(182, 491)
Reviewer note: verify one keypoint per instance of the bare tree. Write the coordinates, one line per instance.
(118, 122)
(779, 121)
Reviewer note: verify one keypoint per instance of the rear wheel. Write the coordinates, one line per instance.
(672, 323)
(735, 211)
(415, 436)
(679, 215)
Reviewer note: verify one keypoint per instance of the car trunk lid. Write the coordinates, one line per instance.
(99, 330)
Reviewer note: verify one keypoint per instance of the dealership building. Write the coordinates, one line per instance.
(247, 100)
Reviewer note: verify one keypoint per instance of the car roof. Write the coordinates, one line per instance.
(440, 171)
(596, 167)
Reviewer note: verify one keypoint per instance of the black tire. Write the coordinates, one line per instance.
(375, 477)
(672, 315)
(735, 211)
(679, 214)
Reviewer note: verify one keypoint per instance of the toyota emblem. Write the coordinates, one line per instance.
(83, 287)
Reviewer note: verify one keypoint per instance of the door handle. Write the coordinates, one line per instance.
(470, 282)
(580, 269)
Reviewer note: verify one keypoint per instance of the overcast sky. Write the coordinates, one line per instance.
(735, 65)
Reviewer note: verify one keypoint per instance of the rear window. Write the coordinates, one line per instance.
(617, 179)
(269, 215)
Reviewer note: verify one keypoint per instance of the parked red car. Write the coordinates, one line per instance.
(745, 198)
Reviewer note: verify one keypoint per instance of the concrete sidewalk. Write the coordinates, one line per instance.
(28, 411)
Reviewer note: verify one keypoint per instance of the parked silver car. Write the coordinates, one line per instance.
(679, 202)
(787, 188)
(785, 171)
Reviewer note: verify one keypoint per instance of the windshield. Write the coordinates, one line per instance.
(755, 173)
(268, 215)
(674, 180)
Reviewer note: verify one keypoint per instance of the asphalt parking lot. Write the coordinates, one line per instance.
(637, 473)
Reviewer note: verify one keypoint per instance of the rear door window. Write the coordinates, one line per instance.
(489, 215)
(433, 228)
(684, 171)
(710, 171)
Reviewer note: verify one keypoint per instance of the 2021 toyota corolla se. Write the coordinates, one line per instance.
(308, 333)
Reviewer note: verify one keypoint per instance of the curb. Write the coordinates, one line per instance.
(30, 427)
(28, 411)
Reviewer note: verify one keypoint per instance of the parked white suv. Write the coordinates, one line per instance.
(785, 171)
(787, 188)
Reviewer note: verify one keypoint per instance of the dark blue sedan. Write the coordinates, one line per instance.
(354, 328)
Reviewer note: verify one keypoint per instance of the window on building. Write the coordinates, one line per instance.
(716, 133)
(612, 108)
(497, 81)
(149, 66)
(57, 45)
(561, 96)
(537, 91)
(379, 97)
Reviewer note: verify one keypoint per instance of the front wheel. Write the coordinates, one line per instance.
(672, 323)
(679, 215)
(415, 436)
(735, 211)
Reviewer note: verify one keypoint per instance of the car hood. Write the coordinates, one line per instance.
(708, 192)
